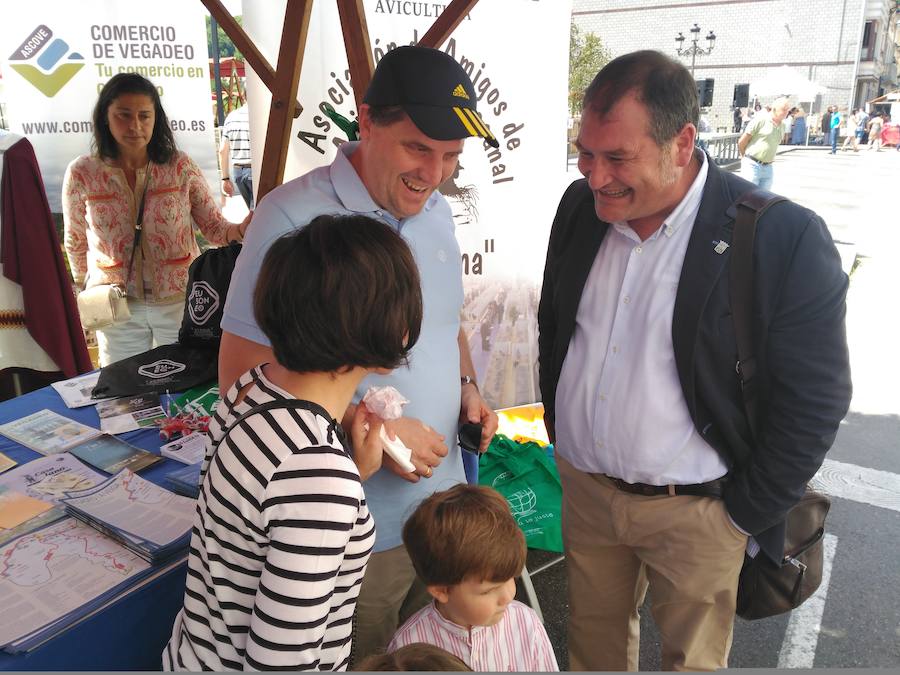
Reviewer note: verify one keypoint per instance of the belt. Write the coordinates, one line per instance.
(711, 489)
(757, 161)
(241, 166)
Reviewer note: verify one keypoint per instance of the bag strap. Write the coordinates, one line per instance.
(288, 404)
(138, 227)
(750, 208)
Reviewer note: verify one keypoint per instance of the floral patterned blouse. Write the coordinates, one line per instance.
(100, 210)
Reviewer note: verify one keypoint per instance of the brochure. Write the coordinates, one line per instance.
(149, 520)
(130, 413)
(56, 575)
(188, 449)
(6, 462)
(111, 455)
(47, 479)
(76, 392)
(47, 432)
(186, 480)
(16, 508)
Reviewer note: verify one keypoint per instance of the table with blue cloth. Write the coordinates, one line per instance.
(130, 633)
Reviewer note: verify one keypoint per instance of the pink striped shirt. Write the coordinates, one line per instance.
(518, 642)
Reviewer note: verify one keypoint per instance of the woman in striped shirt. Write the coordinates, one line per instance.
(282, 532)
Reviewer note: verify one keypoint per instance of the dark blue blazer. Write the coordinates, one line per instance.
(803, 379)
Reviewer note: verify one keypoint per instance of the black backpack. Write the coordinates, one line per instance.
(208, 280)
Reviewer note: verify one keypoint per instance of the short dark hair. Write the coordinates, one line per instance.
(661, 84)
(465, 532)
(161, 147)
(418, 656)
(340, 292)
(385, 115)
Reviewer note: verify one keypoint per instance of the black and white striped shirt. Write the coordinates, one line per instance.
(237, 130)
(281, 540)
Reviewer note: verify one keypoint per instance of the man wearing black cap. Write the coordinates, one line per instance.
(419, 108)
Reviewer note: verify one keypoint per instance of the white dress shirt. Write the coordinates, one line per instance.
(620, 409)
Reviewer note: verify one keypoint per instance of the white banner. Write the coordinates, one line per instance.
(503, 200)
(56, 56)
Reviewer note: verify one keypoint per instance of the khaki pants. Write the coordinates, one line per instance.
(617, 543)
(389, 595)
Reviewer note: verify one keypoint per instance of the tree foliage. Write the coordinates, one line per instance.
(226, 46)
(587, 56)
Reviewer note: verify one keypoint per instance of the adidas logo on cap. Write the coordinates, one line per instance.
(460, 92)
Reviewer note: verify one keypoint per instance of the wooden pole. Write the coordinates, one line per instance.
(446, 23)
(284, 93)
(356, 42)
(243, 43)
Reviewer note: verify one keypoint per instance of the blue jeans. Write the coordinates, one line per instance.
(760, 174)
(834, 139)
(242, 176)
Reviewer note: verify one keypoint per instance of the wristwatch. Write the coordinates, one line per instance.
(468, 379)
(226, 178)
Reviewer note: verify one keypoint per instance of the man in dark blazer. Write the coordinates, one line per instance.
(663, 484)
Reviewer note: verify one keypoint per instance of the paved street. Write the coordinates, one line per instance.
(854, 621)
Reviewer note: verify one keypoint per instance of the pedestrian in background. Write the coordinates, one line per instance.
(826, 124)
(862, 120)
(234, 155)
(853, 133)
(875, 126)
(835, 130)
(759, 144)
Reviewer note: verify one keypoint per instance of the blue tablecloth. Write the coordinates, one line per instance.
(131, 633)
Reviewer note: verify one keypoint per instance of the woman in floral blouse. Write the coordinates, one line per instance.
(134, 157)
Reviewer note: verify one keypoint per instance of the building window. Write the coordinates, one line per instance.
(741, 96)
(705, 92)
(870, 33)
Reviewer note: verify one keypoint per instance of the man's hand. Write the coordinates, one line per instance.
(427, 446)
(474, 409)
(367, 447)
(228, 187)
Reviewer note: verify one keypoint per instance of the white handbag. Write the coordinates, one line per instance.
(102, 306)
(107, 304)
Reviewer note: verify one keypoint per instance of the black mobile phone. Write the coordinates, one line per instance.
(470, 436)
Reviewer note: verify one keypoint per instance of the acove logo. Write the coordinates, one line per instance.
(161, 368)
(46, 62)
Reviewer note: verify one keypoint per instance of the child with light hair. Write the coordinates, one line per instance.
(467, 549)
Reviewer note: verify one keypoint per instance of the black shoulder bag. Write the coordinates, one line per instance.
(764, 588)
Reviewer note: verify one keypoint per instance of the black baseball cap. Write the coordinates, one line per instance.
(433, 89)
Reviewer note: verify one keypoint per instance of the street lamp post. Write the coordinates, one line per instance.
(693, 49)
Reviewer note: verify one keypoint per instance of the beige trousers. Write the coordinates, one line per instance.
(390, 594)
(617, 543)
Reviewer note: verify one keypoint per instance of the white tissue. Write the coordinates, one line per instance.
(397, 450)
(387, 403)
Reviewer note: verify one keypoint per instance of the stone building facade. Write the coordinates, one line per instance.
(846, 46)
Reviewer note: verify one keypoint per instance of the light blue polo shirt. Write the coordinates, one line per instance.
(431, 380)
